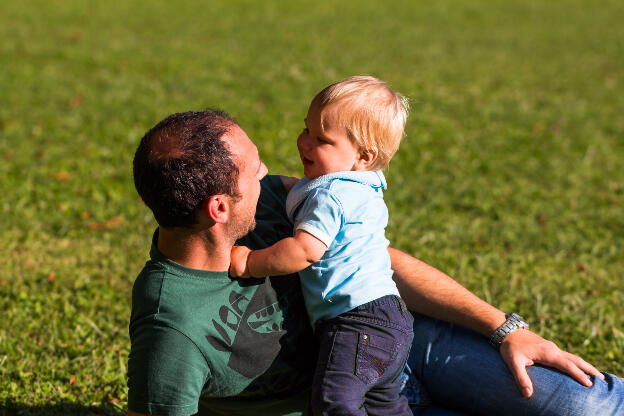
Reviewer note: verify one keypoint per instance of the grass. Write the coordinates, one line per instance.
(509, 178)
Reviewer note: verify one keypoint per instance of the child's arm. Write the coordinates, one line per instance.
(289, 255)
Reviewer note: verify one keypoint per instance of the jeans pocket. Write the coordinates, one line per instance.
(375, 355)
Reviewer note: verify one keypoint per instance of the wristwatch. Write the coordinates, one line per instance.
(513, 322)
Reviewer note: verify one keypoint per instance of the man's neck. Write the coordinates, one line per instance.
(196, 250)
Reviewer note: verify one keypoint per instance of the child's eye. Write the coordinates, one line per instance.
(320, 140)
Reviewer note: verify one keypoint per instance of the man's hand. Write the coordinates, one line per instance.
(428, 291)
(289, 182)
(238, 261)
(523, 348)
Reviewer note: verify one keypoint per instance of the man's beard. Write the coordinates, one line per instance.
(240, 224)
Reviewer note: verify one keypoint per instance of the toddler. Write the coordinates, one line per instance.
(352, 130)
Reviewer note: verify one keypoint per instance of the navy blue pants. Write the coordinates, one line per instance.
(362, 354)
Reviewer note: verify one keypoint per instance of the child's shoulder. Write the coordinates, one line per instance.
(345, 185)
(352, 193)
(357, 181)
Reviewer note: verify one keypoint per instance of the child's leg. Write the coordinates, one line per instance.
(335, 388)
(362, 354)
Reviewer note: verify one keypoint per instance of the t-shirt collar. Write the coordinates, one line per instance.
(179, 269)
(299, 192)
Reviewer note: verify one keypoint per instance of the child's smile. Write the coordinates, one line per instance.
(324, 146)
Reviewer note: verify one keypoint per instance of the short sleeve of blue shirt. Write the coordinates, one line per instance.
(321, 215)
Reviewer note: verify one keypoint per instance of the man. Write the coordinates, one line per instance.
(203, 341)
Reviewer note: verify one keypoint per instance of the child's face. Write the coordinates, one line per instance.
(325, 151)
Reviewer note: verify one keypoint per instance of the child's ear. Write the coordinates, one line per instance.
(365, 159)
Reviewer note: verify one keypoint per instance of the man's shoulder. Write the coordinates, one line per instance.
(272, 223)
(273, 190)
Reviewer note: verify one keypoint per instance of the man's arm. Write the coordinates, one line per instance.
(430, 292)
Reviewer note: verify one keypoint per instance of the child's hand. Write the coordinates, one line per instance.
(238, 261)
(289, 182)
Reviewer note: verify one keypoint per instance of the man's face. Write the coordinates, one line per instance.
(251, 170)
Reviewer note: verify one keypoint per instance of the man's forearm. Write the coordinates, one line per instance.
(430, 292)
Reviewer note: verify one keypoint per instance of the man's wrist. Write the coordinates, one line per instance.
(513, 322)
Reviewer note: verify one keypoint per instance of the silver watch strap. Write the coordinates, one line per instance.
(513, 322)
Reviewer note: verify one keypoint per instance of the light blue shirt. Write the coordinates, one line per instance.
(346, 211)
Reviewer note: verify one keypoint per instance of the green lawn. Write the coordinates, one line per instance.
(510, 177)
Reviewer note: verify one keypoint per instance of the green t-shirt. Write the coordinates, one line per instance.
(233, 346)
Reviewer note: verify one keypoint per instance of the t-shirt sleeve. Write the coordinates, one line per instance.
(321, 215)
(166, 373)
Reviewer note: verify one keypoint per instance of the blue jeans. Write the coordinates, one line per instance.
(362, 354)
(453, 371)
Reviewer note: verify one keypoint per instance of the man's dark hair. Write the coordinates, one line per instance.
(181, 162)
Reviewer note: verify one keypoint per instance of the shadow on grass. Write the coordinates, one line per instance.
(12, 408)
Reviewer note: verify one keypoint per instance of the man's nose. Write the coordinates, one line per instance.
(263, 170)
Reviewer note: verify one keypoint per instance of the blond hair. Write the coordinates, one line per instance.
(372, 113)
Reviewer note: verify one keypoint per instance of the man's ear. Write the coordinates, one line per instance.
(217, 208)
(365, 158)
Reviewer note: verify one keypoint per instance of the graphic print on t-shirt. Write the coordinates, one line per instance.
(249, 329)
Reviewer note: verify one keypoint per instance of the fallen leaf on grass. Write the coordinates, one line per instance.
(75, 36)
(60, 176)
(537, 128)
(108, 225)
(72, 380)
(51, 277)
(76, 100)
(96, 226)
(114, 222)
